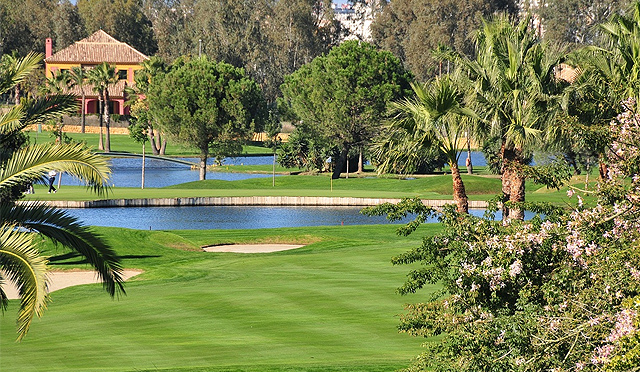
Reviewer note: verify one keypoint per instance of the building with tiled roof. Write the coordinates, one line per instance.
(90, 52)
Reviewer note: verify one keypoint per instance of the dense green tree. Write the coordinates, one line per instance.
(23, 225)
(411, 29)
(26, 25)
(68, 27)
(344, 94)
(210, 105)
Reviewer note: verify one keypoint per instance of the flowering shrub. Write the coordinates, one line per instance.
(555, 293)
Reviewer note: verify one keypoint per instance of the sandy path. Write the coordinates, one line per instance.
(251, 248)
(64, 279)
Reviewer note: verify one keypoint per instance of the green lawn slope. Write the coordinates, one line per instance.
(330, 306)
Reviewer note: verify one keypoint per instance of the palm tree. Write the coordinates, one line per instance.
(57, 84)
(608, 76)
(434, 116)
(78, 78)
(513, 87)
(21, 225)
(102, 77)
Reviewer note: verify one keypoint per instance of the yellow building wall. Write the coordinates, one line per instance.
(68, 66)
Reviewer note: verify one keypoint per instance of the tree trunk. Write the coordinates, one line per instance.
(517, 195)
(506, 183)
(468, 162)
(83, 113)
(143, 160)
(152, 140)
(360, 162)
(101, 104)
(107, 121)
(163, 147)
(17, 94)
(459, 192)
(203, 166)
(512, 162)
(603, 169)
(339, 163)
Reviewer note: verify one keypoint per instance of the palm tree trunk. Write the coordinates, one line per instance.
(512, 163)
(107, 121)
(101, 103)
(459, 192)
(506, 183)
(517, 196)
(83, 113)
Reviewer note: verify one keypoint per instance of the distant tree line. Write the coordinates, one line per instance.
(271, 39)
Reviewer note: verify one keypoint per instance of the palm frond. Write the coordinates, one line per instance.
(42, 109)
(23, 265)
(71, 233)
(32, 162)
(17, 70)
(12, 121)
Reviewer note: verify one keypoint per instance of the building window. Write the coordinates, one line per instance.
(122, 74)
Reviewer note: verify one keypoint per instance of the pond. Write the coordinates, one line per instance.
(230, 217)
(126, 172)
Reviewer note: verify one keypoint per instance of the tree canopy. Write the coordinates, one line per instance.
(344, 94)
(210, 105)
(412, 29)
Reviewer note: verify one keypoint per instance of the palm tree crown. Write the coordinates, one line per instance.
(20, 223)
(514, 89)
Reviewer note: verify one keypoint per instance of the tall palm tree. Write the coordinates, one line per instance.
(513, 87)
(57, 84)
(21, 225)
(102, 77)
(608, 75)
(434, 116)
(78, 78)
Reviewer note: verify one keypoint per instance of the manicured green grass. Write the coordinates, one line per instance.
(330, 306)
(431, 187)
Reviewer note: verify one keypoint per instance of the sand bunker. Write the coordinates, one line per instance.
(64, 279)
(250, 248)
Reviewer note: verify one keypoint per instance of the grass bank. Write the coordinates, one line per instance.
(430, 187)
(330, 306)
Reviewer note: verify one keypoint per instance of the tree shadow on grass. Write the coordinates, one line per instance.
(73, 258)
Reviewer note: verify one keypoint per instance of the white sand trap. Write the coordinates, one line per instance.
(64, 279)
(250, 248)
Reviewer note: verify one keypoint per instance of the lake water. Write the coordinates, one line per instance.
(230, 217)
(127, 172)
(159, 173)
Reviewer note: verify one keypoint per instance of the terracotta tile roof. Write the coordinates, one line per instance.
(97, 48)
